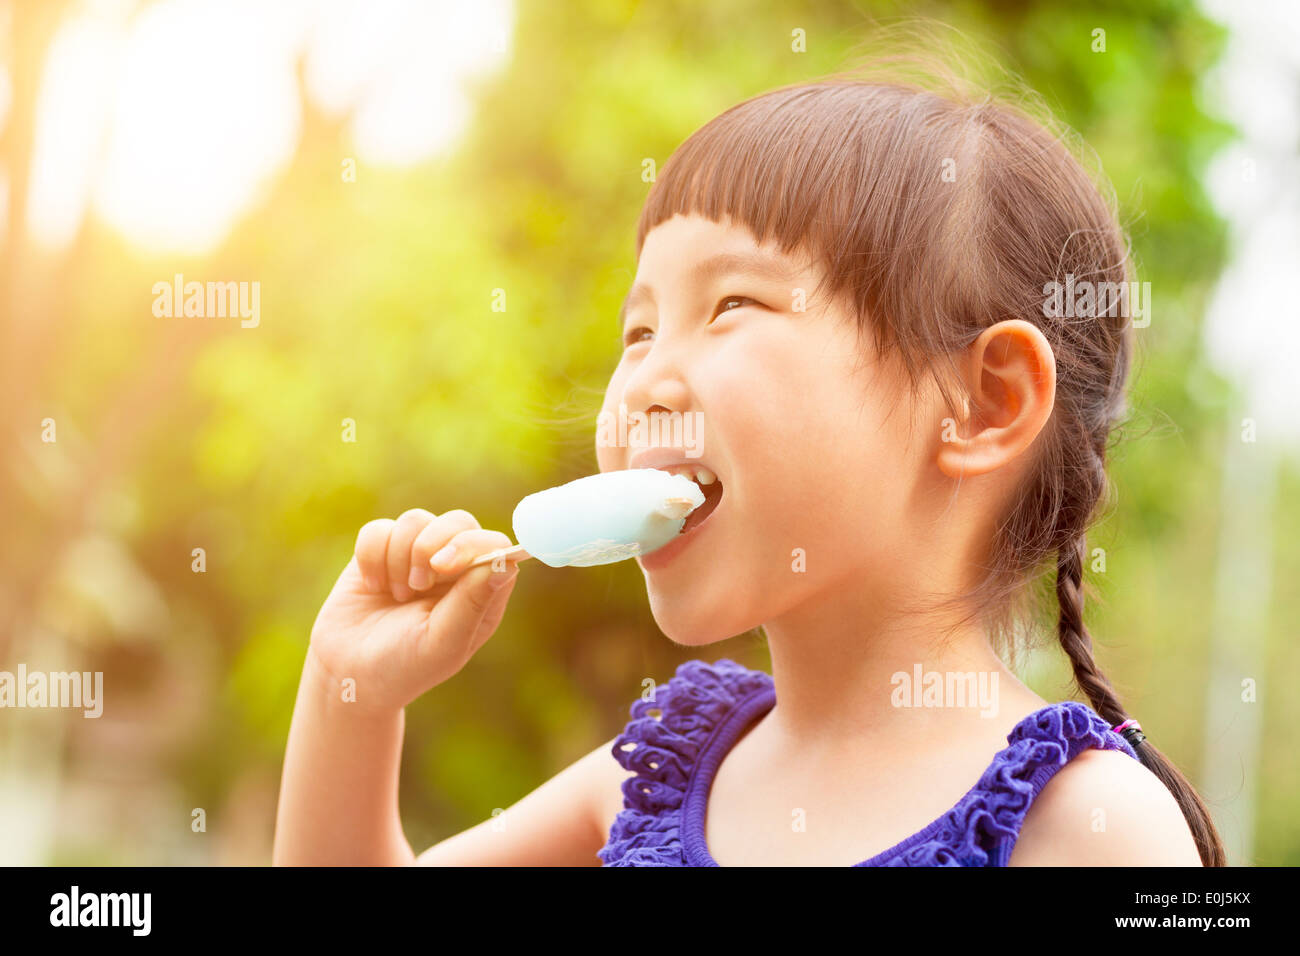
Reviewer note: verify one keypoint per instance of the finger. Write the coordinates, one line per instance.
(496, 607)
(371, 551)
(436, 535)
(407, 528)
(461, 610)
(463, 547)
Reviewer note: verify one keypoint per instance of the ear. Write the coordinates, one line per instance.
(1011, 376)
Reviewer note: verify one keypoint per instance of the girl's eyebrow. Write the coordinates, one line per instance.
(759, 265)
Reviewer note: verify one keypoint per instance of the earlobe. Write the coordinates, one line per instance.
(1011, 382)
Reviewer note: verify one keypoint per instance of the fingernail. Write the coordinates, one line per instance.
(444, 557)
(499, 579)
(420, 578)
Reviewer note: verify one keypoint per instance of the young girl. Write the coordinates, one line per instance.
(852, 283)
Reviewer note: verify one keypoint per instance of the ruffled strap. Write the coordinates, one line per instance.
(660, 744)
(981, 830)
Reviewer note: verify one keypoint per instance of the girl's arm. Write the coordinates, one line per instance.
(404, 616)
(338, 801)
(338, 794)
(561, 823)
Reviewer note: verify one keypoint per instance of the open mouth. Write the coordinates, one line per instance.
(712, 495)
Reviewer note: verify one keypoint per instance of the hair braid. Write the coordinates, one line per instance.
(1077, 643)
(1074, 636)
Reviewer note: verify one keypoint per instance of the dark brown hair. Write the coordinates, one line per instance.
(850, 169)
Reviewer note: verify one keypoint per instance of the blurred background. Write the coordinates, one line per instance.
(177, 495)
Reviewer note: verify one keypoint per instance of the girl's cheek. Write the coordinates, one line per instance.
(607, 423)
(607, 454)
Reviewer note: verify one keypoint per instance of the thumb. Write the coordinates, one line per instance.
(460, 611)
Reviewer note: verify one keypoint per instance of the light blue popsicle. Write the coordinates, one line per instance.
(605, 518)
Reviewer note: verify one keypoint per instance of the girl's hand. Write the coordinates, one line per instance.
(397, 626)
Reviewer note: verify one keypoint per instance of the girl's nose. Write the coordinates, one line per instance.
(656, 384)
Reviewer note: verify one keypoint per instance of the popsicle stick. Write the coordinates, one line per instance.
(513, 553)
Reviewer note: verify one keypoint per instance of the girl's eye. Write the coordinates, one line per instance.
(633, 336)
(727, 300)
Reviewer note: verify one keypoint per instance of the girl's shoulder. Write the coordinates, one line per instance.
(984, 827)
(1069, 791)
(1104, 808)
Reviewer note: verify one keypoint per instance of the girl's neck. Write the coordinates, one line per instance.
(847, 677)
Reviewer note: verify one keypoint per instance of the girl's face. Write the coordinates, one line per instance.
(818, 480)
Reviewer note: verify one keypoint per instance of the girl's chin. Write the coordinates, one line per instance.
(696, 639)
(688, 628)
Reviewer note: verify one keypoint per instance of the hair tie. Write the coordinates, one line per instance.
(1131, 731)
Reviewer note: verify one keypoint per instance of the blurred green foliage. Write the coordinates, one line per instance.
(376, 306)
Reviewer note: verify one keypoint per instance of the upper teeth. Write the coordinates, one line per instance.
(697, 473)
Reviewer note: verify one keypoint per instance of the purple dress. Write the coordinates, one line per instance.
(676, 742)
